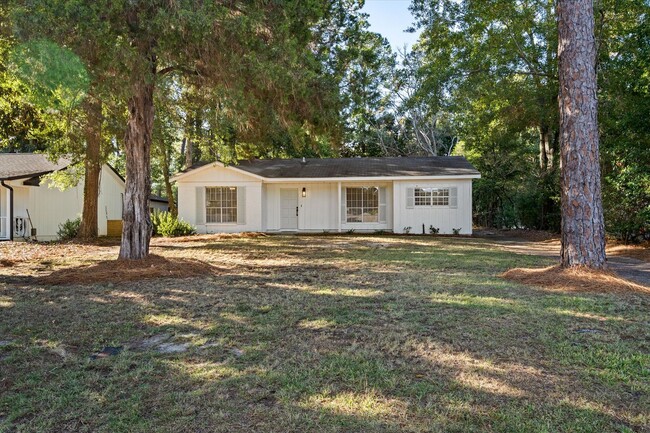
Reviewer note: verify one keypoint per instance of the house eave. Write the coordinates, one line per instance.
(368, 178)
(197, 170)
(325, 179)
(26, 175)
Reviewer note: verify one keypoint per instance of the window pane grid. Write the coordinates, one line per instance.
(221, 204)
(362, 204)
(431, 196)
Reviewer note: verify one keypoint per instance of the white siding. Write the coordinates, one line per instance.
(158, 206)
(445, 218)
(109, 204)
(217, 173)
(220, 176)
(316, 211)
(321, 208)
(4, 213)
(48, 206)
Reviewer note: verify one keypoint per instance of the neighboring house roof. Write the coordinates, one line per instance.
(354, 167)
(32, 165)
(158, 198)
(27, 165)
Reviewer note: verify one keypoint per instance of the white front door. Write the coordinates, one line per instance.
(289, 209)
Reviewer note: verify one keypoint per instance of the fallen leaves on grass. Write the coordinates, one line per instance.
(209, 237)
(576, 279)
(116, 271)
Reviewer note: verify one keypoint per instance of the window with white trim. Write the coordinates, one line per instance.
(431, 196)
(221, 204)
(362, 204)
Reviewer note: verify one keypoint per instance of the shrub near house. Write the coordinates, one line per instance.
(167, 225)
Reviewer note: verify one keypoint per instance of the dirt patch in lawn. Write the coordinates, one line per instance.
(116, 271)
(575, 280)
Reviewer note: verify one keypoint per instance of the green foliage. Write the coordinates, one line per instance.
(434, 230)
(69, 229)
(407, 230)
(24, 126)
(65, 179)
(494, 65)
(624, 113)
(167, 225)
(56, 76)
(456, 231)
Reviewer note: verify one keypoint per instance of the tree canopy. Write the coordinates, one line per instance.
(156, 85)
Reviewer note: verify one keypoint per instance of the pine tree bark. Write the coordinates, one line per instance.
(583, 231)
(189, 146)
(168, 185)
(136, 227)
(189, 151)
(92, 168)
(543, 146)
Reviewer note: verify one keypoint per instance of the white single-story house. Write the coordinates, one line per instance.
(31, 207)
(335, 194)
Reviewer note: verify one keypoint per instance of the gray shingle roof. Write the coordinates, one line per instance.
(158, 198)
(360, 167)
(25, 165)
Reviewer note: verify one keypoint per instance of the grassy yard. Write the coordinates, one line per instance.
(317, 334)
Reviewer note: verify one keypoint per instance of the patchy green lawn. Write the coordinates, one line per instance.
(318, 334)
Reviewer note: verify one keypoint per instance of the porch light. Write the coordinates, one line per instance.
(304, 191)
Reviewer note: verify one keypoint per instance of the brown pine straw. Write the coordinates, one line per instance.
(637, 251)
(208, 237)
(576, 279)
(117, 271)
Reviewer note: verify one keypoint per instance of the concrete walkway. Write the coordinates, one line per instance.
(629, 268)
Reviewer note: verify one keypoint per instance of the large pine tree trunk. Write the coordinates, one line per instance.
(136, 229)
(93, 167)
(583, 232)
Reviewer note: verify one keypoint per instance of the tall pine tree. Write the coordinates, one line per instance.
(583, 228)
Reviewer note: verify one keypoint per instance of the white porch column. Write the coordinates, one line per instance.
(338, 214)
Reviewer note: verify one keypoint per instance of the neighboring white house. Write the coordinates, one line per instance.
(360, 194)
(158, 204)
(29, 202)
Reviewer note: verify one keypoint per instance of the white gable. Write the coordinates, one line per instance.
(215, 173)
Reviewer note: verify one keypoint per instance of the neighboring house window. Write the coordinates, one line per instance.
(362, 204)
(221, 204)
(432, 196)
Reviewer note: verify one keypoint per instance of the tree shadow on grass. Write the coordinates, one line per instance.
(323, 351)
(121, 271)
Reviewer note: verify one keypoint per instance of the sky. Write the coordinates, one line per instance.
(391, 18)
